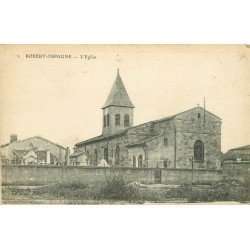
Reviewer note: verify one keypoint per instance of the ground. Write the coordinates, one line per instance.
(118, 191)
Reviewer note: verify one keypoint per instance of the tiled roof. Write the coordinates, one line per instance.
(32, 138)
(247, 147)
(101, 138)
(118, 95)
(77, 154)
(233, 155)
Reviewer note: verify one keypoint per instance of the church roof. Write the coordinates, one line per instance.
(101, 138)
(118, 95)
(141, 142)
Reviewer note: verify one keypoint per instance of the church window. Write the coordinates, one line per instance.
(140, 161)
(126, 120)
(107, 120)
(199, 115)
(165, 142)
(117, 120)
(199, 151)
(104, 121)
(117, 155)
(134, 161)
(105, 154)
(95, 157)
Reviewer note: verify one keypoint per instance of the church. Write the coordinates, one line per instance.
(187, 140)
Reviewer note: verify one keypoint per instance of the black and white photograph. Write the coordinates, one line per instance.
(125, 124)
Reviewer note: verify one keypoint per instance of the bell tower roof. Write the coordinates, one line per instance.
(118, 95)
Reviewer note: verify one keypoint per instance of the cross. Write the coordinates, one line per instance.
(118, 59)
(43, 162)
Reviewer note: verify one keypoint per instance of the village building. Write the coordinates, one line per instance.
(33, 150)
(79, 159)
(241, 154)
(190, 139)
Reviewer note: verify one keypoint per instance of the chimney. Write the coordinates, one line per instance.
(13, 138)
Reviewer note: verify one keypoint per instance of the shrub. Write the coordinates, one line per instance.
(220, 191)
(117, 188)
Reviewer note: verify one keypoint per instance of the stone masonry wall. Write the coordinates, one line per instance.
(112, 111)
(190, 128)
(49, 174)
(111, 144)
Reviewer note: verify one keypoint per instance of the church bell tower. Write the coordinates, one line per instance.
(118, 109)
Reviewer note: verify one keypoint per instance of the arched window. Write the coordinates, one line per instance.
(134, 161)
(126, 120)
(117, 120)
(117, 155)
(105, 154)
(95, 157)
(199, 115)
(140, 161)
(107, 120)
(165, 142)
(199, 151)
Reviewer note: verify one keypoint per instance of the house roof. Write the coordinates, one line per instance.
(20, 153)
(118, 95)
(247, 147)
(233, 155)
(77, 154)
(32, 138)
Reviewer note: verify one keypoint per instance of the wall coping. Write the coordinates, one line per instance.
(110, 168)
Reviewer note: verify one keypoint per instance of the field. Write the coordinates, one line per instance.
(118, 191)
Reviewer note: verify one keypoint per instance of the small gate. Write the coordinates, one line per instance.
(157, 175)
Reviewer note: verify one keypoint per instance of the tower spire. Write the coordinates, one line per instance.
(118, 95)
(118, 108)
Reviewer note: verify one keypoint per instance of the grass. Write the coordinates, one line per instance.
(219, 191)
(118, 190)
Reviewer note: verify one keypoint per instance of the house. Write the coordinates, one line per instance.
(190, 139)
(241, 154)
(79, 159)
(33, 150)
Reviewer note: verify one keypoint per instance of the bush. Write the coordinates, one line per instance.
(117, 188)
(220, 191)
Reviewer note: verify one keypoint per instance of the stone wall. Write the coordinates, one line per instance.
(42, 175)
(190, 126)
(160, 155)
(111, 144)
(184, 176)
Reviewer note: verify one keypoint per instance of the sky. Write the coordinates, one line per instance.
(61, 98)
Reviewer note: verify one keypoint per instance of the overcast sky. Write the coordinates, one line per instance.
(61, 99)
